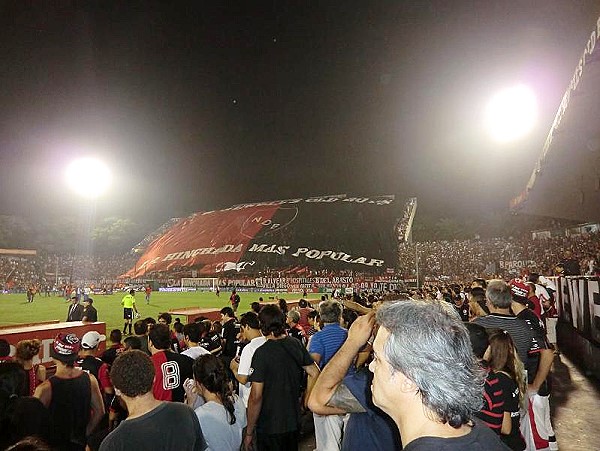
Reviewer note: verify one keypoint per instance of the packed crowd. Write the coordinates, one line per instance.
(17, 274)
(360, 371)
(504, 257)
(437, 261)
(404, 225)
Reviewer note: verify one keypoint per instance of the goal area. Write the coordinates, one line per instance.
(200, 283)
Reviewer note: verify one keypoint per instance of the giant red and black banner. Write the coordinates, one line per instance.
(327, 232)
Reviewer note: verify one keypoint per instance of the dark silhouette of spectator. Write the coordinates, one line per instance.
(20, 416)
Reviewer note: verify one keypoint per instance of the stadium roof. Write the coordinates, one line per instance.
(565, 182)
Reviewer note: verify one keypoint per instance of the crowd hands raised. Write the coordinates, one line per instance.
(463, 366)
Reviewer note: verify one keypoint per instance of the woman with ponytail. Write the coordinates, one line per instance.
(505, 365)
(223, 415)
(36, 373)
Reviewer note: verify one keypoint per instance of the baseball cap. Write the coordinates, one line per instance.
(519, 288)
(65, 347)
(92, 339)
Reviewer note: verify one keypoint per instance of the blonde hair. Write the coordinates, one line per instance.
(475, 309)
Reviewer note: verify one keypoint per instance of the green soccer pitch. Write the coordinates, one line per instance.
(15, 310)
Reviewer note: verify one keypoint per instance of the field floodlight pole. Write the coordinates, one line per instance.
(417, 262)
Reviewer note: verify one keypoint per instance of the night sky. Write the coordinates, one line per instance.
(201, 105)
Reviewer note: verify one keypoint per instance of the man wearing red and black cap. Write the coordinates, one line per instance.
(526, 290)
(72, 396)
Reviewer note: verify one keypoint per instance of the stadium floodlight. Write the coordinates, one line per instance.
(511, 113)
(88, 177)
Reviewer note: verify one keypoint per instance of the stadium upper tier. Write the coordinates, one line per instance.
(438, 261)
(565, 182)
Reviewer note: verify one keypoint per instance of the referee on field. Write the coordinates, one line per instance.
(128, 303)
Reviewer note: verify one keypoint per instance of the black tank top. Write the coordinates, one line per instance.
(70, 411)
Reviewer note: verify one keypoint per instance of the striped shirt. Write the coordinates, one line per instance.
(527, 343)
(492, 411)
(327, 341)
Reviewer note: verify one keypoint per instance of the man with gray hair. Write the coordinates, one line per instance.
(322, 347)
(294, 329)
(428, 380)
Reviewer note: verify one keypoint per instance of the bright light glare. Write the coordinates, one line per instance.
(88, 177)
(511, 113)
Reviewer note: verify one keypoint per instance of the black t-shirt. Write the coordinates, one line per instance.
(90, 364)
(463, 311)
(539, 335)
(298, 334)
(91, 313)
(526, 342)
(481, 438)
(230, 333)
(278, 365)
(510, 398)
(211, 342)
(112, 353)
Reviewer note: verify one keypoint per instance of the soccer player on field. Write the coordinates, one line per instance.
(148, 293)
